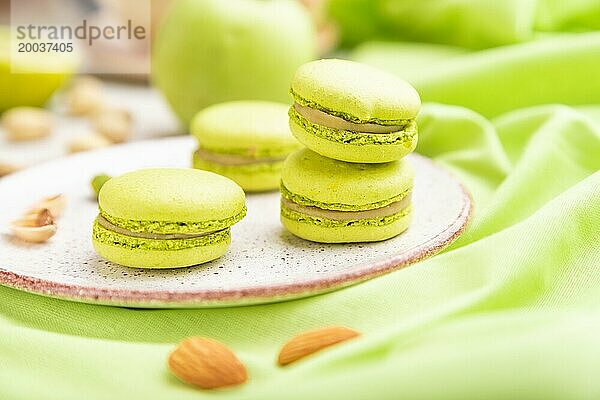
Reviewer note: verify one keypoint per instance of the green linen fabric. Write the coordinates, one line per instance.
(556, 69)
(475, 24)
(510, 311)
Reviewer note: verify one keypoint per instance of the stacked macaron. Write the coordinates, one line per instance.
(351, 184)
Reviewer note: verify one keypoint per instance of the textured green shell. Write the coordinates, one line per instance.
(334, 223)
(222, 169)
(172, 200)
(405, 136)
(251, 128)
(311, 179)
(163, 228)
(305, 201)
(354, 91)
(106, 236)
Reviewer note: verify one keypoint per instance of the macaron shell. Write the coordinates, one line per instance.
(346, 234)
(366, 153)
(252, 178)
(358, 90)
(326, 180)
(156, 259)
(172, 195)
(259, 126)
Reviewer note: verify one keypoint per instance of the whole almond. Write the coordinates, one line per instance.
(312, 341)
(206, 363)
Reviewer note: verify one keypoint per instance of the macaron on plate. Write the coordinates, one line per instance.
(353, 112)
(331, 201)
(264, 262)
(166, 217)
(246, 141)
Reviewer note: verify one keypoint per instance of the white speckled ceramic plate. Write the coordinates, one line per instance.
(264, 264)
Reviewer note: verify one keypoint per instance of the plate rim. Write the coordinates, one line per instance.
(249, 295)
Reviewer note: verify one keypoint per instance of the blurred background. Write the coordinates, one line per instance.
(489, 56)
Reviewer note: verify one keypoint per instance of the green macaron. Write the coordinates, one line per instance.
(166, 218)
(331, 201)
(353, 112)
(245, 141)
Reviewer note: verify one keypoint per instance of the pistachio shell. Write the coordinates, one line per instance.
(36, 218)
(113, 124)
(34, 234)
(55, 204)
(27, 123)
(8, 168)
(88, 142)
(85, 97)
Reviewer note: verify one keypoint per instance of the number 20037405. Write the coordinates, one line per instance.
(45, 47)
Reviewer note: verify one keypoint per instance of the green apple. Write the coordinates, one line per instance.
(211, 51)
(358, 20)
(31, 88)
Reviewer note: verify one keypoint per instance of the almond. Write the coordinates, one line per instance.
(312, 341)
(206, 363)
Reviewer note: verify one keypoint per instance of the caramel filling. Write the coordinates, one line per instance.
(234, 159)
(390, 209)
(331, 121)
(112, 227)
